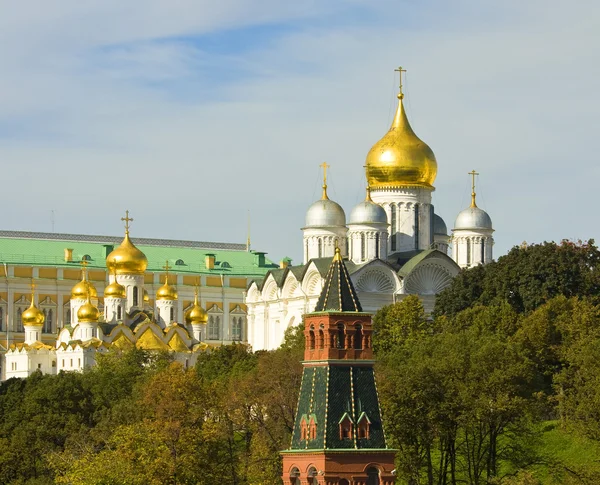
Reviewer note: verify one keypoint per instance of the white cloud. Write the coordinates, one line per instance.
(114, 105)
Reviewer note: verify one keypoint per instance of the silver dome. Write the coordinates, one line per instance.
(368, 212)
(439, 226)
(473, 218)
(325, 212)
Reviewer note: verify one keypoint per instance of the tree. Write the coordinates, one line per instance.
(400, 324)
(526, 277)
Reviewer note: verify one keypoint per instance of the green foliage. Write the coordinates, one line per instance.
(526, 277)
(400, 324)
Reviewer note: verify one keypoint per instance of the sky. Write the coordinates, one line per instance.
(192, 113)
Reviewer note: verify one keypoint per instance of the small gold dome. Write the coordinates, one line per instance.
(88, 313)
(84, 288)
(146, 296)
(196, 314)
(115, 290)
(400, 158)
(127, 259)
(166, 291)
(33, 316)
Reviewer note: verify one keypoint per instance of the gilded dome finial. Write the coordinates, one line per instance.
(127, 220)
(400, 93)
(33, 316)
(368, 198)
(400, 158)
(324, 166)
(472, 173)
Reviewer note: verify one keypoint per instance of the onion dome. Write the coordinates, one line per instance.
(33, 316)
(146, 296)
(166, 291)
(196, 314)
(473, 217)
(127, 259)
(84, 288)
(115, 290)
(325, 212)
(368, 212)
(439, 226)
(88, 313)
(401, 158)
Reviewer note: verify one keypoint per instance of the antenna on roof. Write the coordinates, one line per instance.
(248, 238)
(52, 218)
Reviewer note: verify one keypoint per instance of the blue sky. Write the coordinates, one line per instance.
(190, 113)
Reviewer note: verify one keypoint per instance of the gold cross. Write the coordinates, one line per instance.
(32, 288)
(324, 166)
(400, 70)
(473, 173)
(166, 267)
(127, 220)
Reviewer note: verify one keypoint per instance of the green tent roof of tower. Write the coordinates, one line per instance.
(338, 294)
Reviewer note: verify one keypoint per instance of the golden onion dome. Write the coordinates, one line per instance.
(127, 259)
(115, 290)
(166, 291)
(83, 289)
(88, 313)
(146, 296)
(33, 316)
(196, 314)
(400, 158)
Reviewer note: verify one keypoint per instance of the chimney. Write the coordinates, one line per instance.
(209, 260)
(68, 255)
(259, 258)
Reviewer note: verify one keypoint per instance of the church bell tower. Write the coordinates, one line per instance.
(338, 436)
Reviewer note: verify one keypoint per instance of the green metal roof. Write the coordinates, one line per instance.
(42, 251)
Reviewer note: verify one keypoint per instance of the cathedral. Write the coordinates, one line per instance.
(394, 242)
(90, 295)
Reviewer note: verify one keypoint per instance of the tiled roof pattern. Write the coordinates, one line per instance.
(45, 251)
(329, 392)
(338, 292)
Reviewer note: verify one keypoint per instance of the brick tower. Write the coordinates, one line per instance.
(338, 436)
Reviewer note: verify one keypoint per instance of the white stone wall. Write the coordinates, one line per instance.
(402, 229)
(472, 247)
(321, 242)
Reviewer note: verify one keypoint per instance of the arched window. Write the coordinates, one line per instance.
(2, 319)
(343, 481)
(321, 338)
(416, 226)
(48, 321)
(358, 337)
(19, 320)
(482, 251)
(312, 476)
(86, 257)
(68, 319)
(214, 324)
(311, 338)
(377, 252)
(362, 247)
(180, 262)
(468, 261)
(236, 329)
(373, 476)
(393, 228)
(341, 336)
(119, 312)
(320, 246)
(295, 476)
(171, 314)
(135, 296)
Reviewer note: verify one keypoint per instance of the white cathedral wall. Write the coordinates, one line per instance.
(130, 282)
(403, 228)
(321, 242)
(467, 247)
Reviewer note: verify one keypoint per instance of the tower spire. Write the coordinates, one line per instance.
(324, 166)
(473, 173)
